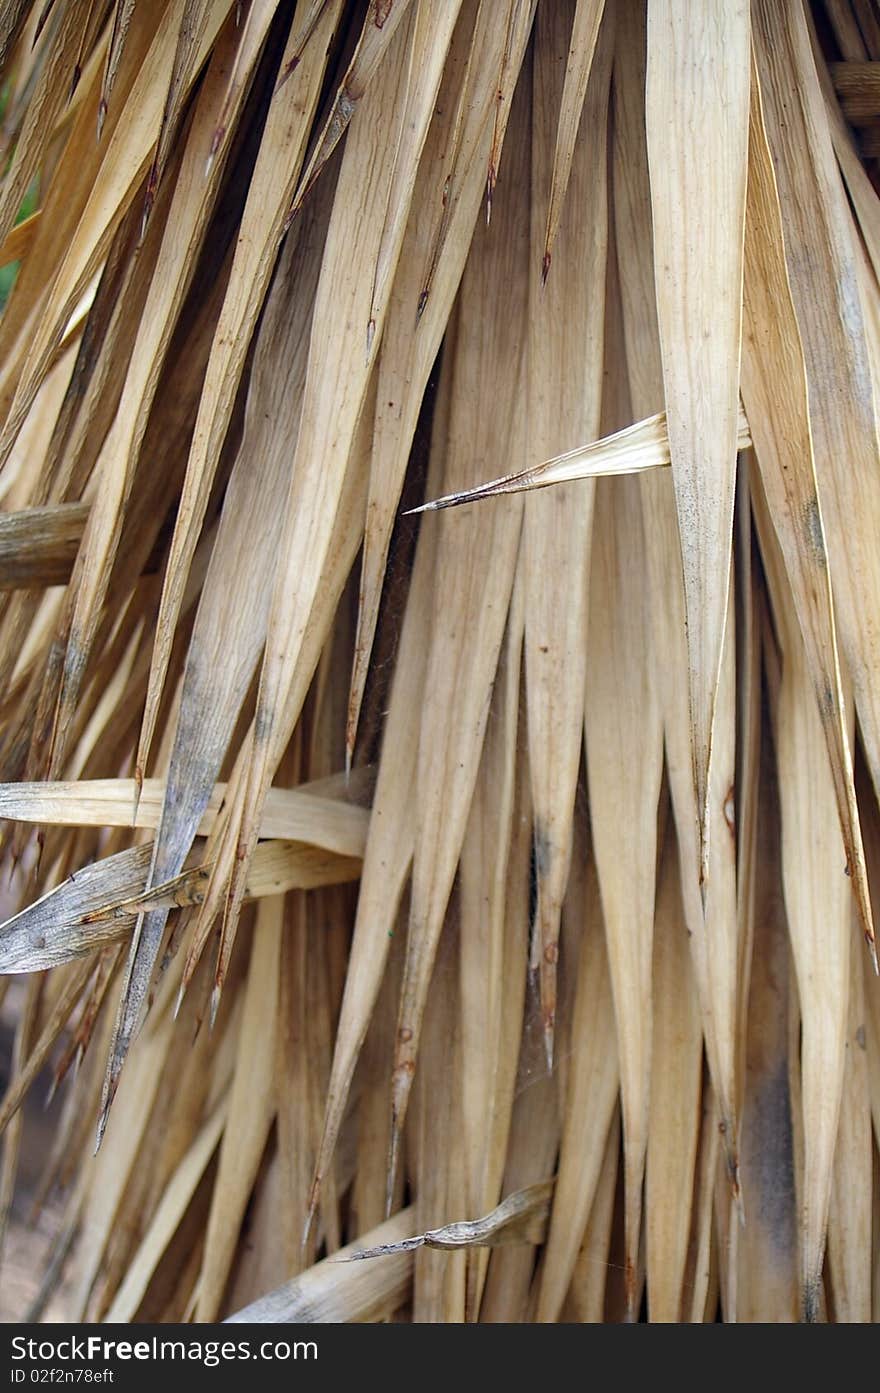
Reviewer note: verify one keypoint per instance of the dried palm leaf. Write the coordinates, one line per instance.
(516, 848)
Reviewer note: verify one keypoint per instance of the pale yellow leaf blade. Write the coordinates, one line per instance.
(252, 1106)
(582, 47)
(590, 1104)
(636, 449)
(676, 1084)
(698, 81)
(565, 374)
(624, 743)
(775, 395)
(336, 1291)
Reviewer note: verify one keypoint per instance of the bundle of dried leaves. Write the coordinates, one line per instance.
(498, 878)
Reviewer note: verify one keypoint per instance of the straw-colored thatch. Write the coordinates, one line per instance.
(440, 655)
